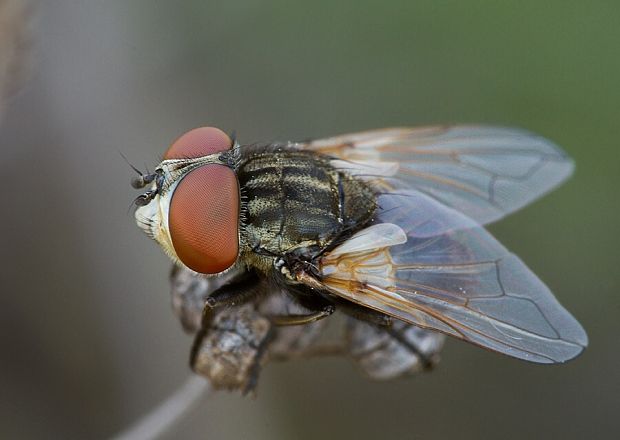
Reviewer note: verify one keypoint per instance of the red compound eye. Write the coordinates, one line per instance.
(204, 209)
(199, 142)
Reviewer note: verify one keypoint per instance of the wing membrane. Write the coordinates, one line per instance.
(451, 275)
(483, 172)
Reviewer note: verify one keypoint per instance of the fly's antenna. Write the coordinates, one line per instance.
(130, 164)
(143, 179)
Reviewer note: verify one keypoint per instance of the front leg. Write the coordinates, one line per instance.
(238, 291)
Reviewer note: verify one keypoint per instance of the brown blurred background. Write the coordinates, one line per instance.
(88, 339)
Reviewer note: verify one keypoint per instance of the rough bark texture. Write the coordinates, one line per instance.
(241, 340)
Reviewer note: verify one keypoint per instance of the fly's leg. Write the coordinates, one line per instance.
(322, 308)
(384, 322)
(364, 313)
(300, 319)
(319, 307)
(427, 362)
(240, 290)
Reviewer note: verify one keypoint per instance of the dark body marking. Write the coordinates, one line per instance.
(296, 203)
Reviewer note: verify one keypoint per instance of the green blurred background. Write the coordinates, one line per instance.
(88, 339)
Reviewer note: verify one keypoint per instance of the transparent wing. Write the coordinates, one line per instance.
(483, 172)
(431, 266)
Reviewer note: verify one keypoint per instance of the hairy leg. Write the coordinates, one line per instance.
(239, 290)
(363, 313)
(319, 307)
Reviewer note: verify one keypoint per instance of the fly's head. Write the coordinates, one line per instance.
(191, 204)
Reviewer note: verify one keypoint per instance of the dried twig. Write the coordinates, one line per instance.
(163, 417)
(240, 340)
(15, 27)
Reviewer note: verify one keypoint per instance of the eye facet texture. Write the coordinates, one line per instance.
(199, 142)
(204, 209)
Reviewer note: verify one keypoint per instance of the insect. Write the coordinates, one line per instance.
(385, 226)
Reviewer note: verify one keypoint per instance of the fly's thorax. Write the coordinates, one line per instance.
(295, 200)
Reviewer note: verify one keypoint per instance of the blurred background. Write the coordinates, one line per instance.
(89, 342)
